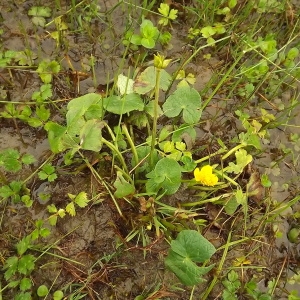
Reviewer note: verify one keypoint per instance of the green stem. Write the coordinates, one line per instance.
(219, 269)
(116, 151)
(233, 150)
(132, 146)
(155, 117)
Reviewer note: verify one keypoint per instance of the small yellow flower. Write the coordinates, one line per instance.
(206, 176)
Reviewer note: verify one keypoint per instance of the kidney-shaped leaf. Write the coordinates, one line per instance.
(191, 244)
(186, 100)
(189, 247)
(146, 81)
(78, 106)
(185, 269)
(166, 175)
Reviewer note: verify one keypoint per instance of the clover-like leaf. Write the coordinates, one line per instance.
(185, 100)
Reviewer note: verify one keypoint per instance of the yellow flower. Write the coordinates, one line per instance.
(206, 176)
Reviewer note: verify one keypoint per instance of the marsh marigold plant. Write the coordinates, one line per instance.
(205, 176)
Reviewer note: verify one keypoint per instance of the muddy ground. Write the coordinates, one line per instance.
(90, 254)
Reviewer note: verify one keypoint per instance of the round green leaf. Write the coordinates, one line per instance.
(185, 100)
(42, 291)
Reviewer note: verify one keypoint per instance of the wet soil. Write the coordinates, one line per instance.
(91, 253)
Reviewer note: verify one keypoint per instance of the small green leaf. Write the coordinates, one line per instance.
(43, 113)
(123, 188)
(42, 291)
(242, 160)
(28, 159)
(265, 181)
(11, 265)
(9, 159)
(208, 31)
(23, 245)
(26, 264)
(52, 208)
(70, 209)
(185, 100)
(81, 199)
(58, 295)
(41, 11)
(25, 284)
(56, 134)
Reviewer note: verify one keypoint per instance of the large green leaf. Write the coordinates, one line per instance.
(79, 106)
(189, 247)
(56, 133)
(185, 100)
(123, 104)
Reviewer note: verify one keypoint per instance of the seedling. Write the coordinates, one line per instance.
(38, 14)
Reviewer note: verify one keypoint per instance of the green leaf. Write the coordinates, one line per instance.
(293, 53)
(146, 81)
(28, 159)
(242, 160)
(148, 43)
(91, 135)
(58, 295)
(11, 265)
(231, 205)
(70, 209)
(46, 69)
(10, 190)
(81, 199)
(26, 264)
(208, 31)
(122, 105)
(79, 106)
(185, 100)
(56, 134)
(34, 122)
(166, 176)
(41, 11)
(23, 245)
(52, 208)
(23, 296)
(42, 291)
(189, 247)
(25, 284)
(43, 113)
(123, 188)
(9, 159)
(232, 3)
(265, 181)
